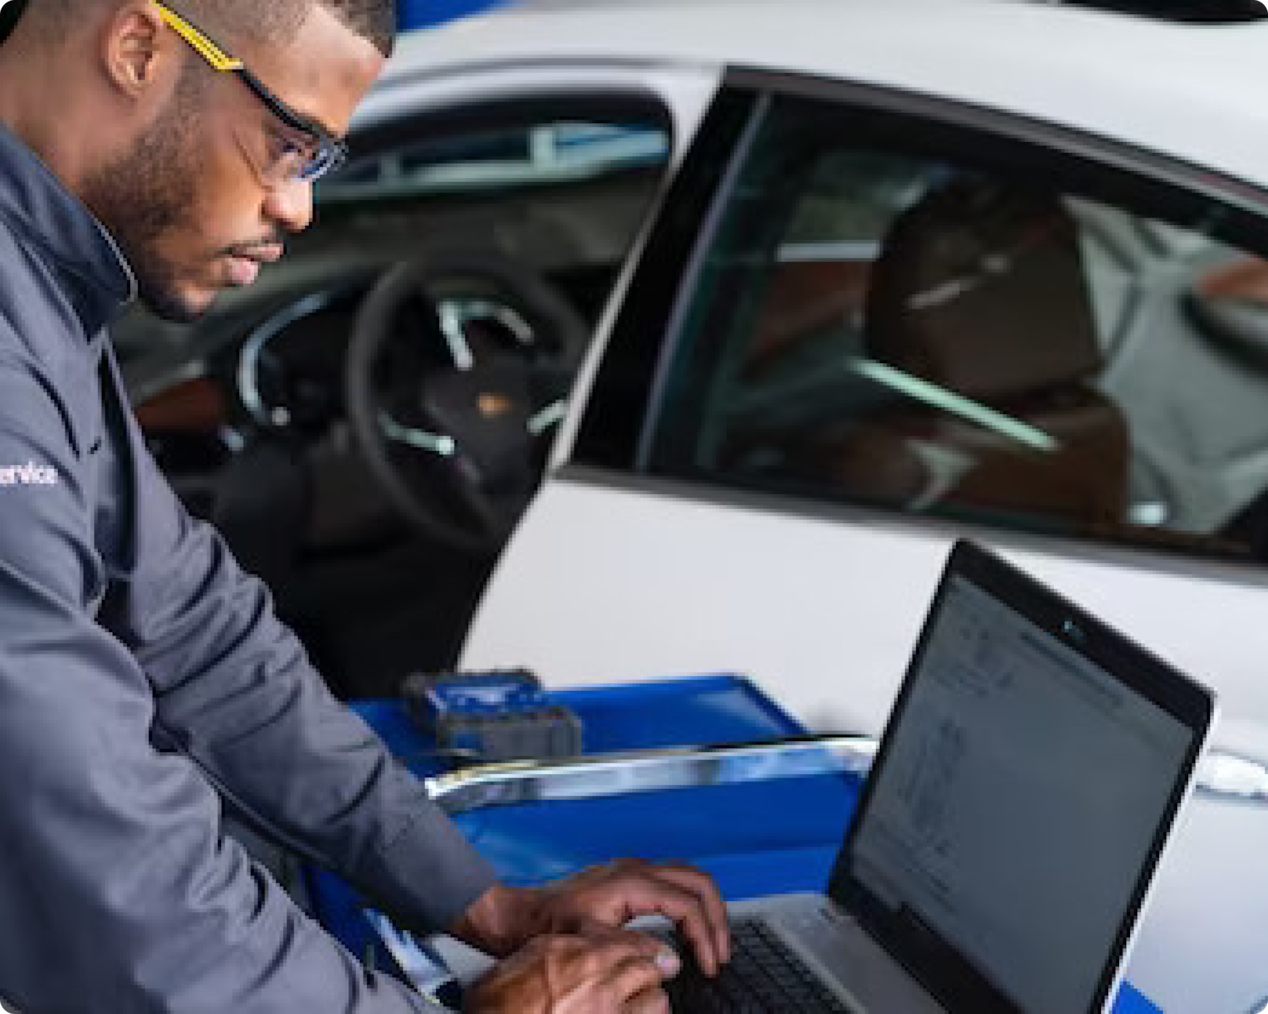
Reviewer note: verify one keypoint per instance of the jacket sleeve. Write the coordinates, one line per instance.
(236, 690)
(117, 891)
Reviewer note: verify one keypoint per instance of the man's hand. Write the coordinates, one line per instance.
(600, 899)
(617, 973)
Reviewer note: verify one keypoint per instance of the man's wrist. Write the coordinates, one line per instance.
(501, 920)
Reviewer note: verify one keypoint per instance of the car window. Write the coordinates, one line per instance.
(904, 320)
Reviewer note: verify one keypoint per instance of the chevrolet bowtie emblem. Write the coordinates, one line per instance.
(493, 405)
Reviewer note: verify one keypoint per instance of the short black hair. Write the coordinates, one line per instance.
(371, 19)
(263, 21)
(272, 21)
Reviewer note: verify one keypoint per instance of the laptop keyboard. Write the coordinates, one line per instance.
(763, 977)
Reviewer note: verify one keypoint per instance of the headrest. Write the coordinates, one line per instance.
(979, 288)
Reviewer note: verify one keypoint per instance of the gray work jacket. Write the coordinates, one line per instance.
(144, 683)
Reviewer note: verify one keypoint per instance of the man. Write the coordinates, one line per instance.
(144, 681)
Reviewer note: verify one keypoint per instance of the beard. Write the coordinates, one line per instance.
(148, 193)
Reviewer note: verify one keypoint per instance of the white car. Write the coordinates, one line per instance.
(919, 270)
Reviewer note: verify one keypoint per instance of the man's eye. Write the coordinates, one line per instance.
(288, 149)
(289, 157)
(282, 147)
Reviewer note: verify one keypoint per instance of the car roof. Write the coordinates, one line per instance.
(1191, 91)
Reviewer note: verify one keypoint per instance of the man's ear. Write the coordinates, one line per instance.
(137, 49)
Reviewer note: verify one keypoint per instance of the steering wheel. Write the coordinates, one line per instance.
(457, 373)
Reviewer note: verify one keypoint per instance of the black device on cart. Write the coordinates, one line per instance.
(494, 715)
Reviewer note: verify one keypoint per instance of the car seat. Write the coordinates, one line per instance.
(979, 319)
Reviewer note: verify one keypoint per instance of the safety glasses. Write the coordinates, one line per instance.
(309, 159)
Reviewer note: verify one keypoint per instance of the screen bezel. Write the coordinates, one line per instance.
(948, 975)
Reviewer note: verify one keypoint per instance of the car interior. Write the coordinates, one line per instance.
(947, 273)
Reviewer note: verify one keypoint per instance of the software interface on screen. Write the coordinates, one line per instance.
(1018, 802)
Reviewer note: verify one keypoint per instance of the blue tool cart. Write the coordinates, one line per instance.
(703, 769)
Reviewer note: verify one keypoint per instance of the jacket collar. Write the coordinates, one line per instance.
(88, 264)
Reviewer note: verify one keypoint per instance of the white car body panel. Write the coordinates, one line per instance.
(1201, 945)
(697, 587)
(685, 90)
(611, 583)
(1195, 93)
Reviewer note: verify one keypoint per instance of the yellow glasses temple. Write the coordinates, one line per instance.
(213, 54)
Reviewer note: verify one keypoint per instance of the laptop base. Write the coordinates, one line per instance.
(836, 967)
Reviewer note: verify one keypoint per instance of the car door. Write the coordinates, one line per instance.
(774, 456)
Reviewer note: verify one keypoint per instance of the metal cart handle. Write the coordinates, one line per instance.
(611, 774)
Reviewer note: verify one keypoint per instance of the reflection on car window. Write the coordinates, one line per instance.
(542, 153)
(931, 334)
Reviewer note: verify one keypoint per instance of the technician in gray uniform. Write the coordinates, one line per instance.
(144, 680)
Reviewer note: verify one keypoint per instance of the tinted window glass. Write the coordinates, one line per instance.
(902, 319)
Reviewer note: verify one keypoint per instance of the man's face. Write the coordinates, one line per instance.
(190, 204)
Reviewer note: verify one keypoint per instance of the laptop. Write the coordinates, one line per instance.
(1004, 844)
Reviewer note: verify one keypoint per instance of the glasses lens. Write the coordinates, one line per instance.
(306, 161)
(325, 157)
(302, 153)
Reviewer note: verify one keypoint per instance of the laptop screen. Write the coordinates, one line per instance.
(1018, 801)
